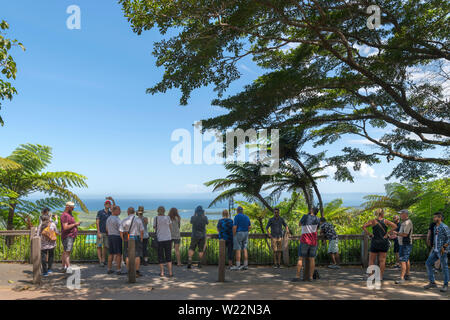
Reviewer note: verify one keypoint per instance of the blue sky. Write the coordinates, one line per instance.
(82, 92)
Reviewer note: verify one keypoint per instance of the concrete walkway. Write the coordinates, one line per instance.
(255, 283)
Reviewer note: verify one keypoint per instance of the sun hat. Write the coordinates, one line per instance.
(140, 209)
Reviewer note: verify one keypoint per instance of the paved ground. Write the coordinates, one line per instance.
(256, 283)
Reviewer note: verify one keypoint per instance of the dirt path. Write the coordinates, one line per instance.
(256, 283)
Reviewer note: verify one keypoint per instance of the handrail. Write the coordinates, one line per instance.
(210, 236)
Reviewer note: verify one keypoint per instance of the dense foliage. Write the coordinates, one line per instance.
(8, 68)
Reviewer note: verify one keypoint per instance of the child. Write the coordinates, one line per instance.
(47, 232)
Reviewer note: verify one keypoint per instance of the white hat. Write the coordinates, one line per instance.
(70, 204)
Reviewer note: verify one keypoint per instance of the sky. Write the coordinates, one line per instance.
(82, 92)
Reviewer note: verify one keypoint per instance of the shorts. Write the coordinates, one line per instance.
(333, 246)
(405, 252)
(68, 244)
(176, 241)
(277, 244)
(379, 246)
(240, 241)
(197, 243)
(137, 247)
(164, 251)
(306, 250)
(115, 244)
(103, 241)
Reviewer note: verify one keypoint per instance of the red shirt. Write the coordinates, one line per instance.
(69, 219)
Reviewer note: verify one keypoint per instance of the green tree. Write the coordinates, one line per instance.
(28, 178)
(398, 196)
(325, 70)
(8, 66)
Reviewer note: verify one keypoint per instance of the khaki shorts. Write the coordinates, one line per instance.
(103, 241)
(277, 244)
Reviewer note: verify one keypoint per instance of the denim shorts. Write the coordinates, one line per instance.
(240, 241)
(306, 250)
(405, 252)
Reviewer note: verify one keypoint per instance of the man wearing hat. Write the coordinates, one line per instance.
(102, 236)
(198, 238)
(69, 231)
(144, 220)
(405, 242)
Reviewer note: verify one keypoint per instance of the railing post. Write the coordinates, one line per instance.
(131, 253)
(365, 250)
(286, 250)
(222, 247)
(36, 255)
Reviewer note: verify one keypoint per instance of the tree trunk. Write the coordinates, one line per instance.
(307, 199)
(313, 183)
(10, 223)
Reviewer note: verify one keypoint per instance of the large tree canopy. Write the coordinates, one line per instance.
(326, 70)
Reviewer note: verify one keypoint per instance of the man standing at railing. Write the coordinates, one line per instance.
(199, 222)
(327, 230)
(69, 231)
(102, 236)
(440, 251)
(308, 244)
(241, 228)
(277, 227)
(405, 242)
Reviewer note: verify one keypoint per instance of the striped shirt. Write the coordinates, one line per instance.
(310, 225)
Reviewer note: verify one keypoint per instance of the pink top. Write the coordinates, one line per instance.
(69, 219)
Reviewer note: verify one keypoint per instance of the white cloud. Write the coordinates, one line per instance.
(244, 67)
(360, 141)
(365, 50)
(365, 171)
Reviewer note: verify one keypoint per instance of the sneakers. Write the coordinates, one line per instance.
(296, 280)
(430, 285)
(45, 274)
(407, 277)
(189, 266)
(334, 266)
(397, 266)
(401, 281)
(244, 267)
(235, 268)
(138, 274)
(119, 273)
(110, 272)
(444, 288)
(49, 271)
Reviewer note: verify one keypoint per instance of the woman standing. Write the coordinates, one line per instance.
(380, 239)
(161, 224)
(175, 232)
(144, 220)
(47, 231)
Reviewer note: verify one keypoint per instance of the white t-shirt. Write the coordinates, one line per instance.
(136, 228)
(162, 226)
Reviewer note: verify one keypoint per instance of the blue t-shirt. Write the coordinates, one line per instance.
(242, 222)
(225, 227)
(102, 215)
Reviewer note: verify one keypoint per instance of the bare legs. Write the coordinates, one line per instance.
(177, 253)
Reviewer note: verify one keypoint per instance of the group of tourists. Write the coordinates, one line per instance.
(113, 235)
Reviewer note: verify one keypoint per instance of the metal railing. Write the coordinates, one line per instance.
(15, 246)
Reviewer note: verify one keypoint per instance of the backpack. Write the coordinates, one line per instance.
(49, 233)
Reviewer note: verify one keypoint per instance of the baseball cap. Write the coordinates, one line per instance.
(240, 209)
(108, 201)
(70, 204)
(404, 211)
